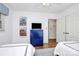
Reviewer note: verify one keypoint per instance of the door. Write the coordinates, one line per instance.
(60, 29)
(72, 28)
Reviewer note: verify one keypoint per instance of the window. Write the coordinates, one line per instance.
(2, 17)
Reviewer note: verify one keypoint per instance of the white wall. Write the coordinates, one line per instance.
(52, 28)
(6, 35)
(74, 9)
(31, 17)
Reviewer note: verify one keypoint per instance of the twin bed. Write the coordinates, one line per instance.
(67, 49)
(17, 50)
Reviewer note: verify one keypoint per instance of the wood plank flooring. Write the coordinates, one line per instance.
(51, 44)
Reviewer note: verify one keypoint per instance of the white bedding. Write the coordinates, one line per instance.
(67, 49)
(17, 50)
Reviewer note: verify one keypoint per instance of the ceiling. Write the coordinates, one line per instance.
(39, 7)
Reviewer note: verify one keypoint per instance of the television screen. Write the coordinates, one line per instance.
(36, 25)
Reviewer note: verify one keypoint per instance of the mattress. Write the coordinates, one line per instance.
(17, 50)
(70, 48)
(74, 46)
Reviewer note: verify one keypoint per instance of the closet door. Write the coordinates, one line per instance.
(72, 28)
(60, 29)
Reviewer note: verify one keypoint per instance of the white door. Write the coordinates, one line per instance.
(60, 29)
(72, 27)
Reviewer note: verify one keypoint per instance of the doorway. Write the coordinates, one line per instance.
(51, 35)
(52, 31)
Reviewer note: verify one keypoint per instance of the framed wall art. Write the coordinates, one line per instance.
(23, 21)
(23, 32)
(23, 26)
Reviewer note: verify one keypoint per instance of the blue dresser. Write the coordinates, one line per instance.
(36, 37)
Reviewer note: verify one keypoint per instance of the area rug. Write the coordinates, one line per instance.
(44, 52)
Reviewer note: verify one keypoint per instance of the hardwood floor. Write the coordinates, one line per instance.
(51, 44)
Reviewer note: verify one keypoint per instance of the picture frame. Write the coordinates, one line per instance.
(23, 21)
(23, 32)
(23, 26)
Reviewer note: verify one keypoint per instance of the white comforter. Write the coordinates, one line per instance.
(67, 49)
(17, 50)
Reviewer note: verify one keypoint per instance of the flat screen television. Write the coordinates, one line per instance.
(36, 25)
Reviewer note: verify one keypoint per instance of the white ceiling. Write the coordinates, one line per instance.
(38, 7)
